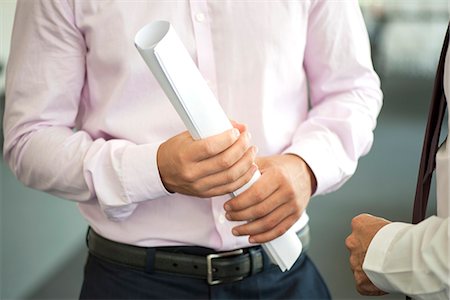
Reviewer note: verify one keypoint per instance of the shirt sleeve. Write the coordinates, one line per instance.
(344, 91)
(411, 259)
(45, 85)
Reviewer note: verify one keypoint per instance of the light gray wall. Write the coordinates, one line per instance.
(38, 234)
(7, 8)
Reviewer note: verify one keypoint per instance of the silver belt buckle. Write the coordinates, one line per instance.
(210, 270)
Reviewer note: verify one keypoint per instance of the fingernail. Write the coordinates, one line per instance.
(227, 207)
(234, 231)
(228, 216)
(235, 132)
(255, 149)
(252, 240)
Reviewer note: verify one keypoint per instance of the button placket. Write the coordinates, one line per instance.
(223, 226)
(200, 17)
(205, 50)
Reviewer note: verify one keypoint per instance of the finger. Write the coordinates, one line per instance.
(233, 186)
(241, 127)
(350, 242)
(259, 209)
(270, 226)
(362, 219)
(257, 193)
(211, 146)
(354, 263)
(229, 175)
(228, 158)
(369, 289)
(275, 232)
(356, 222)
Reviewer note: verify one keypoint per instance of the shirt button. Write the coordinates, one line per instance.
(222, 218)
(200, 17)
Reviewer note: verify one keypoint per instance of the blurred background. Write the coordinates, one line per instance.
(42, 237)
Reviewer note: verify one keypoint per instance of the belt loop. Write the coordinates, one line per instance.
(256, 261)
(150, 261)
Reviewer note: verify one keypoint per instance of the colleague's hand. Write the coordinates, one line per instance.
(275, 201)
(209, 167)
(364, 228)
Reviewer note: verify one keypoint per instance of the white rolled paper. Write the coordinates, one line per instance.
(190, 95)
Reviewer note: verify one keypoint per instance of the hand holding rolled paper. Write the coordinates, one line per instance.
(276, 201)
(209, 167)
(200, 111)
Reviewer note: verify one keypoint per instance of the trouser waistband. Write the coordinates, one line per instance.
(215, 267)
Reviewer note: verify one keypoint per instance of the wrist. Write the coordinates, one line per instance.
(312, 178)
(305, 169)
(160, 164)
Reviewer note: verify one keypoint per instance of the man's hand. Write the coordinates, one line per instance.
(209, 167)
(364, 228)
(275, 201)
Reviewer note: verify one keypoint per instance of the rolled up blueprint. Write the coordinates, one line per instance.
(190, 95)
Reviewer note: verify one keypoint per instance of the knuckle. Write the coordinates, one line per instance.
(355, 221)
(353, 263)
(225, 161)
(258, 195)
(259, 211)
(265, 228)
(358, 217)
(197, 187)
(233, 175)
(349, 242)
(188, 175)
(361, 217)
(290, 193)
(208, 148)
(272, 223)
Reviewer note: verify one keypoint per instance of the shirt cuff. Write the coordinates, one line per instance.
(316, 152)
(140, 178)
(378, 250)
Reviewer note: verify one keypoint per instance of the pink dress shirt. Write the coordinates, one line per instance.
(85, 117)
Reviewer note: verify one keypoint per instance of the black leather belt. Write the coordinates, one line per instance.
(198, 262)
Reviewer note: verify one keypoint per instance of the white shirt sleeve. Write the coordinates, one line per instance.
(411, 259)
